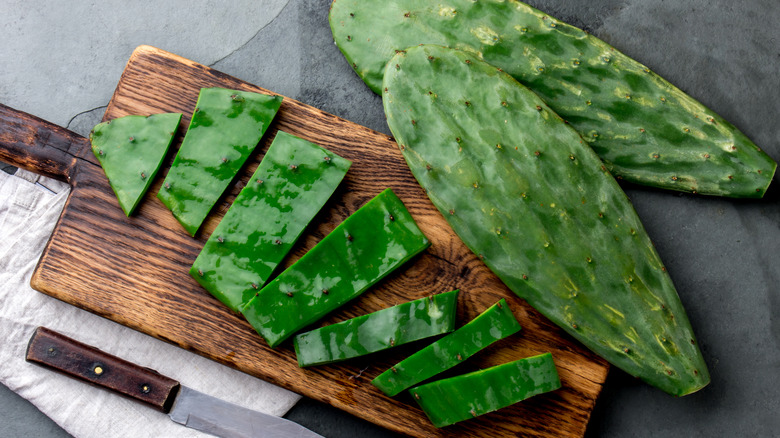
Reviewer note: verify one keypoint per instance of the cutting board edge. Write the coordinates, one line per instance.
(40, 284)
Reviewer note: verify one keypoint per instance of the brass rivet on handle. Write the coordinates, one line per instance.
(97, 369)
(52, 351)
(145, 388)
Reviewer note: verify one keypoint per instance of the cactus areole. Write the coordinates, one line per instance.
(130, 150)
(372, 242)
(526, 193)
(497, 322)
(225, 128)
(645, 130)
(386, 328)
(290, 186)
(460, 398)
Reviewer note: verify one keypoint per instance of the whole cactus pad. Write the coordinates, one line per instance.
(130, 150)
(225, 128)
(530, 198)
(645, 129)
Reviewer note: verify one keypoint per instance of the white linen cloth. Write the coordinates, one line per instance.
(29, 208)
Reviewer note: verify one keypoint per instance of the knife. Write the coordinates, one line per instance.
(182, 404)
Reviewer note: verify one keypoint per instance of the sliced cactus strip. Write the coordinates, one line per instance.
(460, 398)
(372, 242)
(292, 183)
(225, 128)
(387, 328)
(645, 130)
(495, 323)
(526, 194)
(131, 149)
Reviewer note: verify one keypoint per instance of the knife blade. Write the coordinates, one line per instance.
(183, 405)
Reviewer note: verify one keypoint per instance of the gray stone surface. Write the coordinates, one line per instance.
(61, 60)
(61, 56)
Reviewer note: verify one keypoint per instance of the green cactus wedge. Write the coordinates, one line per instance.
(460, 398)
(225, 128)
(526, 193)
(372, 242)
(290, 186)
(131, 149)
(645, 129)
(387, 328)
(495, 323)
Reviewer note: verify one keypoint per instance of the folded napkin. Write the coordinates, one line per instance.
(29, 208)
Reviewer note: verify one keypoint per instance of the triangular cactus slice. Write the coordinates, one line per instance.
(646, 130)
(534, 202)
(292, 183)
(130, 150)
(225, 128)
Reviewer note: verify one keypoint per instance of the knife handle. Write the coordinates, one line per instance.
(88, 363)
(39, 146)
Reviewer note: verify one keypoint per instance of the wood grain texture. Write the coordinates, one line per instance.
(135, 270)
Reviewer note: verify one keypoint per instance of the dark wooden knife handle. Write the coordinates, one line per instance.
(88, 363)
(39, 146)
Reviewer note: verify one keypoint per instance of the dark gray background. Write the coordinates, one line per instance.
(61, 62)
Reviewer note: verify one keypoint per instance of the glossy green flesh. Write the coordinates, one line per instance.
(493, 324)
(397, 325)
(527, 195)
(131, 149)
(645, 130)
(368, 245)
(225, 128)
(290, 186)
(463, 397)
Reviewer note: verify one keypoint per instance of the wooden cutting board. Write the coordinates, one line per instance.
(135, 270)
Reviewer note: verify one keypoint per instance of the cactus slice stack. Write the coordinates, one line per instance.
(495, 323)
(225, 128)
(372, 242)
(130, 150)
(292, 183)
(645, 129)
(527, 195)
(460, 398)
(380, 330)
